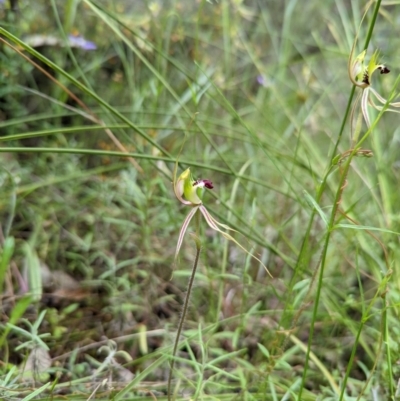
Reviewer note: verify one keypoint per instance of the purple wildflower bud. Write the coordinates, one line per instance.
(261, 80)
(81, 42)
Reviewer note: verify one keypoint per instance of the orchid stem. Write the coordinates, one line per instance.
(185, 306)
(339, 193)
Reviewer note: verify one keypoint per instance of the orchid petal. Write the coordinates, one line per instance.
(379, 108)
(356, 69)
(383, 100)
(212, 223)
(183, 230)
(178, 189)
(364, 106)
(356, 127)
(378, 96)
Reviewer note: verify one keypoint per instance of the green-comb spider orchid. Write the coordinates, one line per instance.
(189, 192)
(361, 76)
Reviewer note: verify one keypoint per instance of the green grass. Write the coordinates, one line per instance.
(89, 140)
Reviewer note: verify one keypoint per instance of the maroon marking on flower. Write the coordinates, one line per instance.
(203, 183)
(208, 184)
(383, 69)
(365, 79)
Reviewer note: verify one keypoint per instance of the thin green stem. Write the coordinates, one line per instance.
(322, 267)
(334, 209)
(386, 340)
(380, 293)
(184, 311)
(372, 24)
(331, 227)
(351, 359)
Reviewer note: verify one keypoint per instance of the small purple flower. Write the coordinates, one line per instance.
(261, 80)
(81, 42)
(264, 81)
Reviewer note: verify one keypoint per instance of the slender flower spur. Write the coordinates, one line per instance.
(189, 192)
(361, 75)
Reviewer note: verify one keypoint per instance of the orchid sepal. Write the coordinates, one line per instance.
(182, 231)
(212, 223)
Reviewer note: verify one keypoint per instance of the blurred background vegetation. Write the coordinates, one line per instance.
(88, 235)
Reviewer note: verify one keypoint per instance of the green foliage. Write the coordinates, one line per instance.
(304, 167)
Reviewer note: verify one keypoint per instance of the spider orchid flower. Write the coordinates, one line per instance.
(361, 75)
(189, 192)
